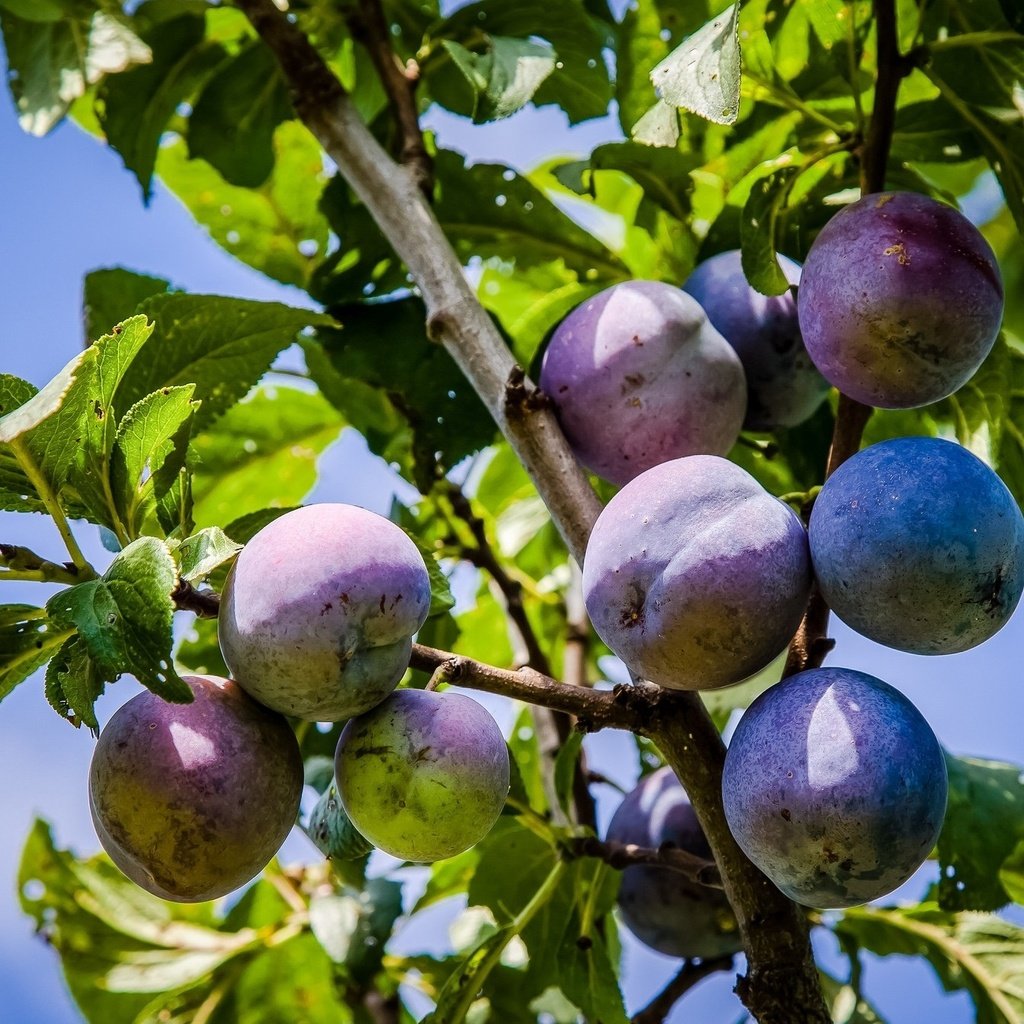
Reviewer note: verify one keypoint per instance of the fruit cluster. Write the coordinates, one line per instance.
(695, 576)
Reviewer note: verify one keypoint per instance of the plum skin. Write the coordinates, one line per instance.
(319, 610)
(835, 787)
(918, 545)
(424, 775)
(694, 575)
(661, 907)
(191, 801)
(783, 386)
(900, 301)
(638, 375)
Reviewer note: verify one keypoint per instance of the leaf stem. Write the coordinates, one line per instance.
(790, 101)
(974, 39)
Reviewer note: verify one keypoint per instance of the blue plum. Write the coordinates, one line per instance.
(918, 545)
(661, 907)
(423, 775)
(191, 801)
(639, 376)
(835, 787)
(900, 300)
(694, 575)
(319, 610)
(783, 385)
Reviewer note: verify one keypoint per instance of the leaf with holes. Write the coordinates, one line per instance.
(27, 641)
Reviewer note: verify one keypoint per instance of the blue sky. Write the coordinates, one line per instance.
(66, 207)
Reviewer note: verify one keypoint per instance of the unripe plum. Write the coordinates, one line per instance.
(783, 385)
(694, 575)
(835, 787)
(918, 545)
(661, 907)
(638, 376)
(424, 775)
(191, 801)
(319, 610)
(900, 300)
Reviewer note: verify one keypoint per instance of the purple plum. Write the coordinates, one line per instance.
(900, 300)
(319, 610)
(918, 545)
(424, 775)
(191, 801)
(661, 907)
(835, 787)
(783, 385)
(638, 376)
(694, 575)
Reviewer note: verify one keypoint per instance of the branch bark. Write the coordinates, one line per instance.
(625, 855)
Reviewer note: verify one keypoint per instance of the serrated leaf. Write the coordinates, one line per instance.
(979, 953)
(150, 448)
(277, 228)
(261, 453)
(233, 121)
(221, 345)
(702, 74)
(984, 822)
(441, 598)
(197, 556)
(759, 231)
(135, 107)
(73, 684)
(658, 126)
(112, 294)
(27, 641)
(124, 618)
(56, 60)
(17, 492)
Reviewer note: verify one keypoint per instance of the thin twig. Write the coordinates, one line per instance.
(689, 974)
(625, 855)
(20, 563)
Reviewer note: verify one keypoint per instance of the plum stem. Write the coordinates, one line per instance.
(689, 974)
(624, 855)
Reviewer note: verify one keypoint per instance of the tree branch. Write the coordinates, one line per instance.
(19, 563)
(689, 974)
(368, 26)
(204, 603)
(625, 855)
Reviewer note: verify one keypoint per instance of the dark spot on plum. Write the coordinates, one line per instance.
(326, 608)
(830, 855)
(990, 595)
(421, 754)
(847, 865)
(372, 751)
(785, 812)
(382, 599)
(562, 390)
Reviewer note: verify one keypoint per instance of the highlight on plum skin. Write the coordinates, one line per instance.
(835, 787)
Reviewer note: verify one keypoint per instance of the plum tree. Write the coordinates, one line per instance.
(783, 386)
(319, 611)
(695, 576)
(900, 300)
(191, 800)
(661, 907)
(424, 775)
(639, 376)
(918, 545)
(835, 787)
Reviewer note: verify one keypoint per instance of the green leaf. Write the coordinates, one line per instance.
(197, 556)
(702, 74)
(112, 295)
(640, 47)
(441, 599)
(27, 641)
(565, 769)
(232, 124)
(984, 822)
(262, 452)
(221, 345)
(588, 978)
(277, 228)
(150, 449)
(1011, 873)
(17, 492)
(504, 78)
(759, 231)
(979, 953)
(73, 684)
(845, 1003)
(55, 61)
(35, 10)
(1011, 451)
(124, 618)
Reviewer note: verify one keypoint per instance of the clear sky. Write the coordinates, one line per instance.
(67, 206)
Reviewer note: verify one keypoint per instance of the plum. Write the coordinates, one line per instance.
(638, 376)
(424, 775)
(319, 610)
(835, 787)
(918, 545)
(783, 385)
(900, 300)
(191, 801)
(661, 907)
(694, 575)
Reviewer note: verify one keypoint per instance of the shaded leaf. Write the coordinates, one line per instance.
(113, 294)
(197, 556)
(27, 641)
(759, 231)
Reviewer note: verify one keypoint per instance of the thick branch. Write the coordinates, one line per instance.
(455, 317)
(689, 974)
(625, 855)
(368, 25)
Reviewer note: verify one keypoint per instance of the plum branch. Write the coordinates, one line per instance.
(782, 978)
(624, 855)
(20, 563)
